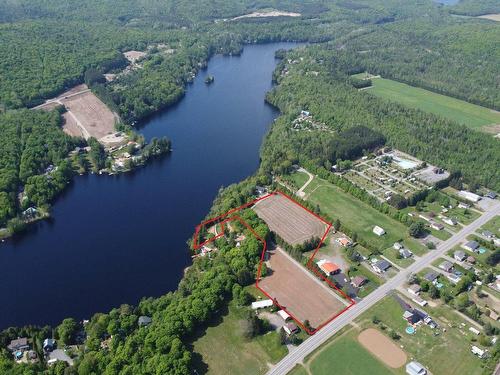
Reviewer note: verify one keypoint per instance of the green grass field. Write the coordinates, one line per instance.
(222, 349)
(347, 357)
(359, 216)
(472, 115)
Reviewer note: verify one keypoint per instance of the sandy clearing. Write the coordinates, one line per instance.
(272, 13)
(298, 291)
(133, 56)
(492, 17)
(382, 347)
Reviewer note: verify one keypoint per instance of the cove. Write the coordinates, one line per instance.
(115, 239)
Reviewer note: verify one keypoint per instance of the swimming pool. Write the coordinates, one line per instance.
(410, 330)
(482, 250)
(405, 163)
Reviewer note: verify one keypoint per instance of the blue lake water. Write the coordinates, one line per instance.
(115, 239)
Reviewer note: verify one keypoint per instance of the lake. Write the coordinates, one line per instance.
(115, 239)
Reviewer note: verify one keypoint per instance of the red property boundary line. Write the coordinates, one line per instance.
(225, 218)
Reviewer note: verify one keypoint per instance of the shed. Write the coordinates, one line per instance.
(415, 368)
(378, 230)
(284, 315)
(262, 304)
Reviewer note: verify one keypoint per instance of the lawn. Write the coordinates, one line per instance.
(222, 349)
(298, 370)
(347, 357)
(359, 217)
(493, 226)
(446, 353)
(471, 115)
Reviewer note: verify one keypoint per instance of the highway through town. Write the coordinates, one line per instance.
(313, 342)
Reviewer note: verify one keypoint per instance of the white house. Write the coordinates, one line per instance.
(284, 315)
(450, 221)
(414, 289)
(378, 230)
(477, 351)
(474, 330)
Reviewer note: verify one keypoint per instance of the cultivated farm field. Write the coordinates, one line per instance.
(289, 220)
(471, 115)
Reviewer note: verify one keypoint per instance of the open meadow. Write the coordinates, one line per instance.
(359, 216)
(474, 116)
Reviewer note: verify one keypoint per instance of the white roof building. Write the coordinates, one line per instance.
(415, 368)
(378, 230)
(262, 304)
(471, 197)
(284, 315)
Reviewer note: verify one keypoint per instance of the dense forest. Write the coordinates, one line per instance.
(30, 141)
(48, 46)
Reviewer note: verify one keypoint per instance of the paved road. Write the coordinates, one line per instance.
(313, 342)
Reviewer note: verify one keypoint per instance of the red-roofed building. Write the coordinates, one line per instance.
(328, 268)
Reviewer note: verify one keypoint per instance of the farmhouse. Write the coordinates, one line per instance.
(378, 230)
(415, 368)
(459, 255)
(359, 281)
(262, 304)
(381, 266)
(446, 266)
(471, 246)
(328, 268)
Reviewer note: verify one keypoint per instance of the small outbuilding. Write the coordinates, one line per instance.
(378, 230)
(415, 368)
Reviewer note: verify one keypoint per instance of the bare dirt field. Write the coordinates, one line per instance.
(298, 291)
(272, 13)
(92, 114)
(382, 347)
(86, 116)
(289, 220)
(133, 56)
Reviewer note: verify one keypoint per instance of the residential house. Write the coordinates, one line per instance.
(343, 241)
(459, 255)
(49, 345)
(437, 226)
(381, 266)
(378, 230)
(432, 277)
(359, 281)
(446, 266)
(450, 220)
(19, 344)
(397, 245)
(419, 301)
(471, 246)
(488, 234)
(405, 253)
(144, 321)
(414, 289)
(463, 205)
(342, 281)
(29, 213)
(260, 190)
(491, 195)
(424, 217)
(415, 368)
(471, 259)
(328, 268)
(453, 278)
(290, 328)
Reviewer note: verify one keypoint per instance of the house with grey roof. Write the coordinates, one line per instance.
(446, 266)
(471, 246)
(459, 255)
(415, 368)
